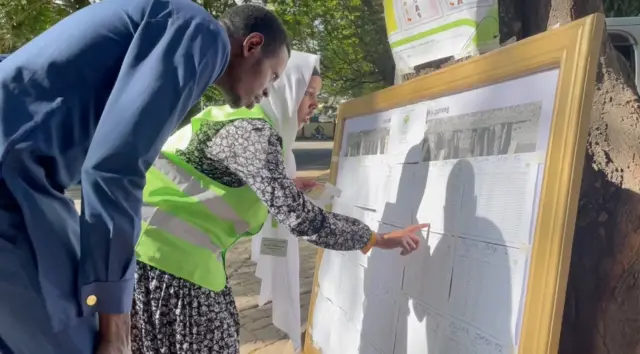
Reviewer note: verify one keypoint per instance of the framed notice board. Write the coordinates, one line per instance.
(490, 152)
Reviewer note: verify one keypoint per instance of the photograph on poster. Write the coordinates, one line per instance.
(418, 12)
(499, 131)
(368, 142)
(423, 32)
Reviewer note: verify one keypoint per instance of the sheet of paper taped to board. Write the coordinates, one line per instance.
(470, 164)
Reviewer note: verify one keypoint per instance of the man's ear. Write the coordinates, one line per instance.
(252, 44)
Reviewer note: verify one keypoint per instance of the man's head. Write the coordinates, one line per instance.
(259, 54)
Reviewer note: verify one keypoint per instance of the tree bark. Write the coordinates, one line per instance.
(602, 307)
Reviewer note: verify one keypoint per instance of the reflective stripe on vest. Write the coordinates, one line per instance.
(189, 220)
(190, 186)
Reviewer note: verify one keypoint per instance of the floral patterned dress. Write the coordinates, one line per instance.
(172, 315)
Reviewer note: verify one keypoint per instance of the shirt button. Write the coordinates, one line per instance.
(91, 300)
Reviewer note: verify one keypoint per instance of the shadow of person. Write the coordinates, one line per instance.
(451, 296)
(464, 299)
(384, 269)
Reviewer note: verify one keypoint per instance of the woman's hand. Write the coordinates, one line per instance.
(305, 184)
(407, 239)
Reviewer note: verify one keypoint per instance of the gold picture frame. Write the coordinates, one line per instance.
(574, 50)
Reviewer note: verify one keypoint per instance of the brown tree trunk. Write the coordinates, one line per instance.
(602, 308)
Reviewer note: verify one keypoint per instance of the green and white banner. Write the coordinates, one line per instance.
(421, 31)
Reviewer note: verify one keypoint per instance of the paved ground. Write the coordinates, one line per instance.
(313, 155)
(257, 334)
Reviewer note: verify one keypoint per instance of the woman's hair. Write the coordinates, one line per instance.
(315, 72)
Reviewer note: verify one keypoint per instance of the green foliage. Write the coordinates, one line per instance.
(216, 7)
(622, 8)
(355, 56)
(213, 96)
(349, 35)
(21, 20)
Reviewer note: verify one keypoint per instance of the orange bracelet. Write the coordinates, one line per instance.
(370, 244)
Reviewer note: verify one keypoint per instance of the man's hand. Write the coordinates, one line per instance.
(112, 348)
(305, 184)
(114, 334)
(406, 239)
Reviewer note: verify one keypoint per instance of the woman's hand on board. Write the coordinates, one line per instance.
(305, 184)
(406, 239)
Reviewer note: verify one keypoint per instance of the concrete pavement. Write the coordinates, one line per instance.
(312, 155)
(313, 145)
(257, 334)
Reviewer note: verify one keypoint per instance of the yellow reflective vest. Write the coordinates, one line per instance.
(190, 220)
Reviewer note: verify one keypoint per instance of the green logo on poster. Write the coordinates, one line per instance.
(406, 119)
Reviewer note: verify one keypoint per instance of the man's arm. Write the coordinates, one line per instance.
(167, 68)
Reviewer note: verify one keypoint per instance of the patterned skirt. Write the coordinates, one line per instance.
(174, 316)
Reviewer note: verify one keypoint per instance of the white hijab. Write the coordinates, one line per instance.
(284, 98)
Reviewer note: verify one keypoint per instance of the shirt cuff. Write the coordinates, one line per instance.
(370, 244)
(107, 297)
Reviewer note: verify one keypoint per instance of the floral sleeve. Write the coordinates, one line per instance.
(251, 149)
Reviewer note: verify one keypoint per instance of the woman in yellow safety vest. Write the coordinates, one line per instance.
(203, 196)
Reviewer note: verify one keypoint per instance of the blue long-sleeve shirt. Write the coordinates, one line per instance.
(93, 99)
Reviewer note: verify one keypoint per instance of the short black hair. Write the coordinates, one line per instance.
(242, 20)
(315, 71)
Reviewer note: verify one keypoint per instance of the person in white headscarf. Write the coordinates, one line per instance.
(281, 275)
(172, 314)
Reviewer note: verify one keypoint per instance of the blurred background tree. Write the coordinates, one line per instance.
(350, 35)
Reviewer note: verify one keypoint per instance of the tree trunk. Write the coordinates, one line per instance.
(602, 307)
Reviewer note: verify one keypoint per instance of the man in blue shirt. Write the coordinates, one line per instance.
(93, 99)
